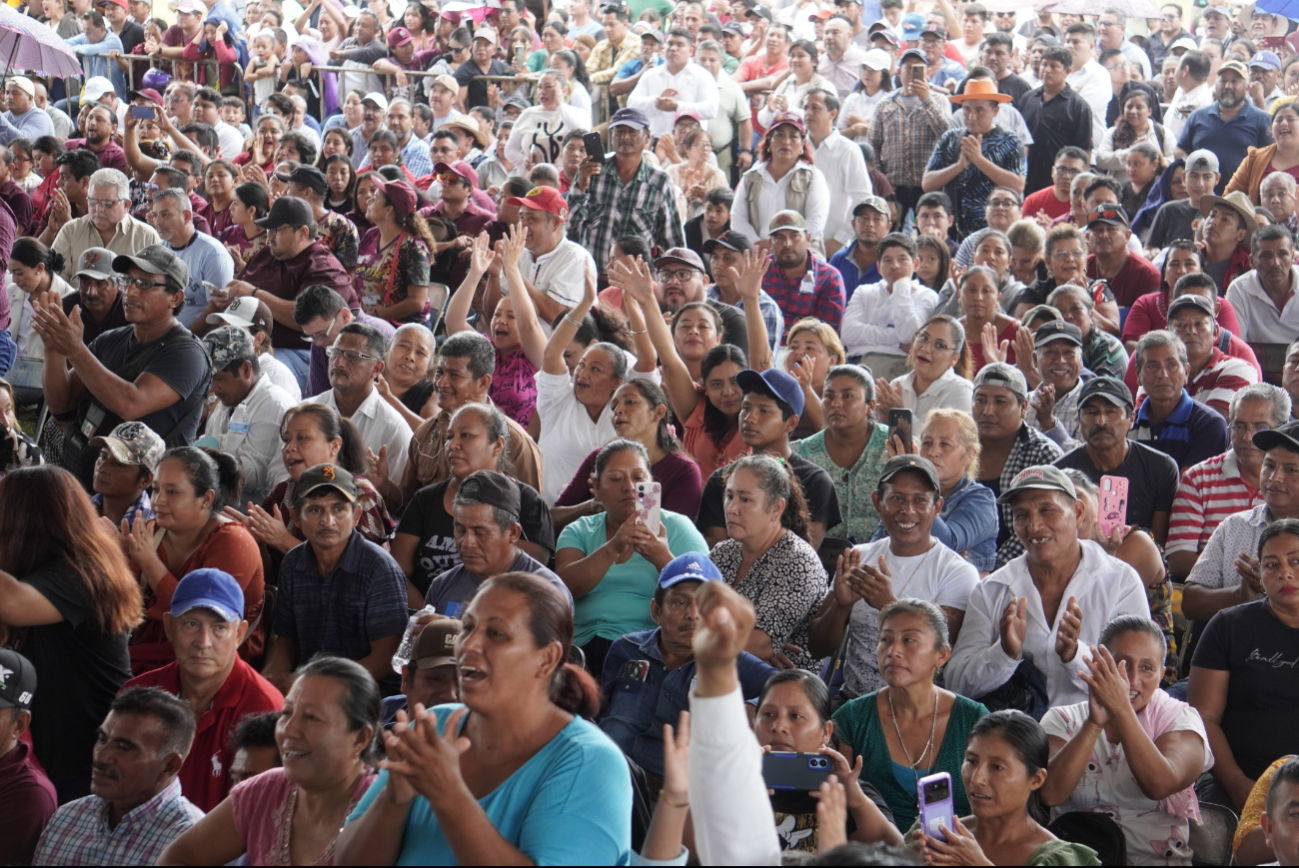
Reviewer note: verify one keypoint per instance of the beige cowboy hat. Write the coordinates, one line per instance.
(1238, 202)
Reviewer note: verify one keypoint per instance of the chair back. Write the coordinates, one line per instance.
(1211, 838)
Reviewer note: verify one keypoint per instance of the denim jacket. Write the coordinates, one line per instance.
(968, 524)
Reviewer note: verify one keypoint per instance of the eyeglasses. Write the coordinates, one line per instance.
(1002, 203)
(1244, 428)
(139, 283)
(352, 356)
(680, 276)
(1066, 171)
(1068, 254)
(102, 203)
(456, 49)
(18, 159)
(937, 346)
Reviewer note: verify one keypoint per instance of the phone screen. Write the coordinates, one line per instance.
(143, 112)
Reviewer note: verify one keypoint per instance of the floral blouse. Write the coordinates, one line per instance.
(384, 276)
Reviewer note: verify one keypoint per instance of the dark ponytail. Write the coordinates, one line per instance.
(230, 476)
(32, 253)
(206, 472)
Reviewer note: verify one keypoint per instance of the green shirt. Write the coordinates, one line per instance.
(853, 485)
(1050, 853)
(620, 603)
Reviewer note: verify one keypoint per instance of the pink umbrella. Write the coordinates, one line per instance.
(25, 43)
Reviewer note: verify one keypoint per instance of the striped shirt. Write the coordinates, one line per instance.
(1221, 379)
(609, 209)
(1209, 492)
(79, 834)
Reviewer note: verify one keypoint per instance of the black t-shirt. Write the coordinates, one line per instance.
(1012, 85)
(1063, 120)
(132, 35)
(79, 670)
(1152, 479)
(477, 95)
(1173, 223)
(1262, 705)
(818, 488)
(183, 365)
(426, 520)
(734, 328)
(417, 396)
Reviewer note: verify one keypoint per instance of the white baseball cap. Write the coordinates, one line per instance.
(95, 88)
(877, 59)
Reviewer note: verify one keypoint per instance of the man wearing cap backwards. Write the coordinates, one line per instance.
(1264, 297)
(729, 252)
(429, 676)
(246, 420)
(1176, 219)
(154, 372)
(1170, 420)
(1229, 126)
(970, 162)
(360, 52)
(205, 627)
(482, 61)
(1130, 275)
(27, 798)
(98, 295)
(1213, 377)
(23, 119)
(210, 265)
(1047, 604)
(906, 126)
(648, 675)
(339, 593)
(773, 401)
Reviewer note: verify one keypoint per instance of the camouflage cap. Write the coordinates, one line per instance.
(134, 443)
(787, 219)
(227, 345)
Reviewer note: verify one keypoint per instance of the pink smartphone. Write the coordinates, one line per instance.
(649, 499)
(935, 797)
(1112, 511)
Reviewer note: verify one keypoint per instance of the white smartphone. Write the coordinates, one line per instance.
(649, 497)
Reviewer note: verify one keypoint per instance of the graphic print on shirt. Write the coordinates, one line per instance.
(547, 140)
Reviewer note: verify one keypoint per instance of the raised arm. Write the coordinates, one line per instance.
(462, 300)
(646, 358)
(531, 337)
(748, 283)
(562, 336)
(634, 278)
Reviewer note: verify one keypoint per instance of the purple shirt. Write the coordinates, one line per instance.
(111, 156)
(27, 801)
(285, 278)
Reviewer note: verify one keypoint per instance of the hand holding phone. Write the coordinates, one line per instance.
(935, 797)
(798, 772)
(144, 112)
(1112, 504)
(594, 146)
(649, 499)
(900, 426)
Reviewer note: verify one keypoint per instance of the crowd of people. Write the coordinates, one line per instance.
(517, 433)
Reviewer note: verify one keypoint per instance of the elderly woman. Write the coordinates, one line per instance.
(1130, 751)
(544, 125)
(1248, 715)
(327, 737)
(1134, 127)
(940, 373)
(694, 177)
(1280, 156)
(1027, 241)
(1103, 353)
(768, 560)
(1005, 764)
(850, 448)
(405, 382)
(449, 794)
(611, 561)
(784, 161)
(813, 347)
(910, 727)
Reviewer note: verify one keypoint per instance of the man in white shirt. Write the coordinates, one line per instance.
(908, 498)
(1089, 78)
(675, 87)
(841, 63)
(554, 268)
(1047, 604)
(207, 110)
(355, 360)
(1264, 298)
(883, 317)
(246, 419)
(841, 162)
(1112, 27)
(1193, 91)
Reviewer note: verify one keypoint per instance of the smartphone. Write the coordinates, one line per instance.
(594, 146)
(649, 499)
(900, 424)
(144, 112)
(918, 71)
(935, 792)
(1112, 511)
(1273, 42)
(799, 772)
(521, 56)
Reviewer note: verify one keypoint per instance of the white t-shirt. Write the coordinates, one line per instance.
(1108, 786)
(940, 576)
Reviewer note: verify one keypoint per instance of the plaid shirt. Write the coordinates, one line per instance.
(1031, 448)
(771, 315)
(824, 298)
(609, 210)
(605, 61)
(78, 833)
(904, 138)
(1065, 432)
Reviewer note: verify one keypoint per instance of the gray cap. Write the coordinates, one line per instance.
(902, 463)
(1202, 160)
(1042, 477)
(156, 259)
(96, 262)
(227, 345)
(1003, 375)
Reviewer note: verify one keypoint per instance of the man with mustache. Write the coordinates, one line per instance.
(682, 278)
(1263, 298)
(142, 745)
(1104, 419)
(206, 627)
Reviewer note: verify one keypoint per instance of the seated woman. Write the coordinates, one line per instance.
(327, 737)
(813, 348)
(986, 325)
(910, 728)
(768, 560)
(243, 237)
(393, 256)
(695, 175)
(560, 795)
(405, 382)
(640, 413)
(1134, 128)
(993, 249)
(189, 532)
(794, 716)
(696, 329)
(424, 544)
(23, 451)
(36, 271)
(1247, 703)
(939, 377)
(1144, 166)
(1066, 260)
(1005, 764)
(1027, 241)
(611, 561)
(1130, 751)
(850, 448)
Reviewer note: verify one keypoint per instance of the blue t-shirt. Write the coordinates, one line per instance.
(568, 805)
(208, 262)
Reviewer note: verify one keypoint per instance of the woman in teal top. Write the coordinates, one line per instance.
(910, 728)
(552, 37)
(610, 561)
(529, 777)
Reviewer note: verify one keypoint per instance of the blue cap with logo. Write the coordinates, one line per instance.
(912, 26)
(689, 567)
(209, 589)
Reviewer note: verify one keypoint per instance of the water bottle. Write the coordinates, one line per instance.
(402, 657)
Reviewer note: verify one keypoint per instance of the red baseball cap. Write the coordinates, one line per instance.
(543, 199)
(459, 167)
(399, 194)
(398, 36)
(147, 93)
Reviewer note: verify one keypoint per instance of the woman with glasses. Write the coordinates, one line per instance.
(544, 125)
(1280, 156)
(694, 178)
(940, 373)
(243, 237)
(23, 173)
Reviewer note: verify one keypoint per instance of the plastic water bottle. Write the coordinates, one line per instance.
(402, 657)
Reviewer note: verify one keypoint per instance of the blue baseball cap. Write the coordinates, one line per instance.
(629, 117)
(209, 589)
(912, 26)
(1266, 60)
(774, 384)
(689, 567)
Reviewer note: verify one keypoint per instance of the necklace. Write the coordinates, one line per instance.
(914, 570)
(933, 729)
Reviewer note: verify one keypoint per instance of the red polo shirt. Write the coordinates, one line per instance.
(27, 801)
(1136, 278)
(205, 776)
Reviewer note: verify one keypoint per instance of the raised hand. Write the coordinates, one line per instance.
(992, 352)
(633, 275)
(1066, 636)
(378, 464)
(676, 760)
(1044, 405)
(725, 621)
(1109, 687)
(1014, 626)
(429, 759)
(844, 594)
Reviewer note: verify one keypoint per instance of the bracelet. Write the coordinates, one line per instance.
(664, 797)
(642, 332)
(568, 318)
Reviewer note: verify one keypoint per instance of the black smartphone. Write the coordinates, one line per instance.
(900, 424)
(800, 772)
(144, 112)
(594, 146)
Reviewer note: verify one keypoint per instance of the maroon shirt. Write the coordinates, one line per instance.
(20, 203)
(1136, 278)
(27, 801)
(111, 156)
(286, 278)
